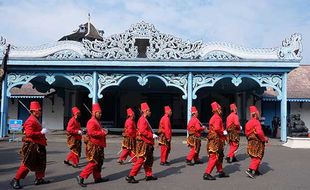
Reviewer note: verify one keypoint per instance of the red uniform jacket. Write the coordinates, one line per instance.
(73, 127)
(130, 129)
(233, 120)
(194, 127)
(145, 131)
(216, 125)
(32, 131)
(165, 126)
(254, 126)
(95, 132)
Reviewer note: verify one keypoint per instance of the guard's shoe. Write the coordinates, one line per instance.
(15, 184)
(257, 173)
(164, 163)
(80, 181)
(101, 180)
(223, 174)
(208, 177)
(41, 181)
(131, 179)
(228, 160)
(234, 159)
(67, 162)
(198, 162)
(250, 173)
(189, 163)
(150, 178)
(75, 165)
(121, 162)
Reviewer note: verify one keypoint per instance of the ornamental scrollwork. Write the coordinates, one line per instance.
(204, 80)
(270, 80)
(15, 79)
(291, 47)
(264, 80)
(83, 79)
(65, 54)
(106, 80)
(219, 56)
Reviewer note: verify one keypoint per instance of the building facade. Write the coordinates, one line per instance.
(143, 64)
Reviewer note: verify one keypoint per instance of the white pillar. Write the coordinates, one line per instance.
(189, 95)
(95, 87)
(284, 109)
(4, 108)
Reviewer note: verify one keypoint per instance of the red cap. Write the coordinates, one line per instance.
(233, 107)
(215, 106)
(194, 109)
(96, 108)
(167, 109)
(35, 106)
(144, 106)
(130, 112)
(75, 110)
(253, 109)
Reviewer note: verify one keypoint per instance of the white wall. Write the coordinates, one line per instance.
(53, 115)
(13, 109)
(303, 109)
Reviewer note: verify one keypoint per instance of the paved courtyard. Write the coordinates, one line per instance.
(283, 168)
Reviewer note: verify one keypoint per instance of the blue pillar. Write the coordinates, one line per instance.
(4, 108)
(189, 95)
(284, 109)
(95, 87)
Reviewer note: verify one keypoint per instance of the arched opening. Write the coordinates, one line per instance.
(248, 92)
(56, 100)
(130, 93)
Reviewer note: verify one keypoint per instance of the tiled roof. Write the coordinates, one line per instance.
(298, 83)
(28, 90)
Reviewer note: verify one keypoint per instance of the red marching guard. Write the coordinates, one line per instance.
(74, 137)
(194, 129)
(144, 147)
(256, 142)
(216, 142)
(129, 138)
(233, 129)
(33, 151)
(95, 143)
(164, 132)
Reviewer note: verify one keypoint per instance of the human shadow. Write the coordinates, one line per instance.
(265, 168)
(170, 171)
(177, 160)
(118, 175)
(241, 157)
(232, 168)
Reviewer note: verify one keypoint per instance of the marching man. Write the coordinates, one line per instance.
(194, 130)
(216, 141)
(164, 131)
(256, 142)
(144, 147)
(233, 128)
(95, 143)
(74, 137)
(33, 151)
(129, 140)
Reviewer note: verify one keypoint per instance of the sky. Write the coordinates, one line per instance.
(249, 23)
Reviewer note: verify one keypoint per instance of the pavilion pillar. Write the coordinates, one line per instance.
(95, 87)
(189, 96)
(284, 109)
(4, 108)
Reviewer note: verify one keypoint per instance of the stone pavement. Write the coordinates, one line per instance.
(283, 168)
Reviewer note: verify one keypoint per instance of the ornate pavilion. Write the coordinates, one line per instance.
(143, 64)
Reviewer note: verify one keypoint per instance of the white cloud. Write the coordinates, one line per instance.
(261, 23)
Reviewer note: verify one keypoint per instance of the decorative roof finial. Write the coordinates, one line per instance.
(88, 17)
